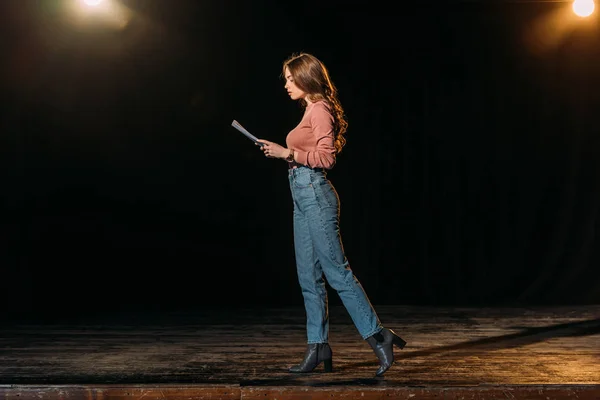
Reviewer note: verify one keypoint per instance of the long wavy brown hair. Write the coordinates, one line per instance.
(312, 77)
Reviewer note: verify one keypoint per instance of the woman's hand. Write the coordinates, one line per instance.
(273, 150)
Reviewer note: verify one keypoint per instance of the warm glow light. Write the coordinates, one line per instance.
(110, 13)
(583, 8)
(547, 32)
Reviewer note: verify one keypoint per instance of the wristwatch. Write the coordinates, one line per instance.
(290, 157)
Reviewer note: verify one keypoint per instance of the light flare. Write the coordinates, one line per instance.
(110, 13)
(92, 3)
(583, 8)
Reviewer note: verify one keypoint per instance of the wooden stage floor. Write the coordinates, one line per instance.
(244, 353)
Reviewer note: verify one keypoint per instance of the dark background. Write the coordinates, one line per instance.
(470, 176)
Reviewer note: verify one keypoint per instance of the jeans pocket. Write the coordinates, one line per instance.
(326, 193)
(302, 181)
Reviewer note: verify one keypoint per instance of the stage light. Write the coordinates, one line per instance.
(110, 14)
(94, 6)
(583, 8)
(92, 3)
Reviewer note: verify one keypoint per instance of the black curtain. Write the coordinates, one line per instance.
(470, 176)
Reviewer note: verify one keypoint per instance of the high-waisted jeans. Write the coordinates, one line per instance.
(320, 256)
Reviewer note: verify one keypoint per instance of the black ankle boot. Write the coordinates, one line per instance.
(382, 344)
(315, 354)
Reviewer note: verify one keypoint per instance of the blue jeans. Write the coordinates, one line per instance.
(320, 256)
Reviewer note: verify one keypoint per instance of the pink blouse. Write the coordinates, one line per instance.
(313, 138)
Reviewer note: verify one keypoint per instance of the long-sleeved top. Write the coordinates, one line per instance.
(313, 138)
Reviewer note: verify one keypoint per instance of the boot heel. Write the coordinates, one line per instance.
(314, 355)
(398, 341)
(328, 364)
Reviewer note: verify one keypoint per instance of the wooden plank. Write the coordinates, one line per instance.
(433, 393)
(213, 392)
(104, 392)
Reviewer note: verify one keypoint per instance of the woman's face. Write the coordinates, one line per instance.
(293, 91)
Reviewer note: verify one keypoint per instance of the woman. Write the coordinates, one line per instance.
(311, 150)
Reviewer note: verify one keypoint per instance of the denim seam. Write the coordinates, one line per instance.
(351, 286)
